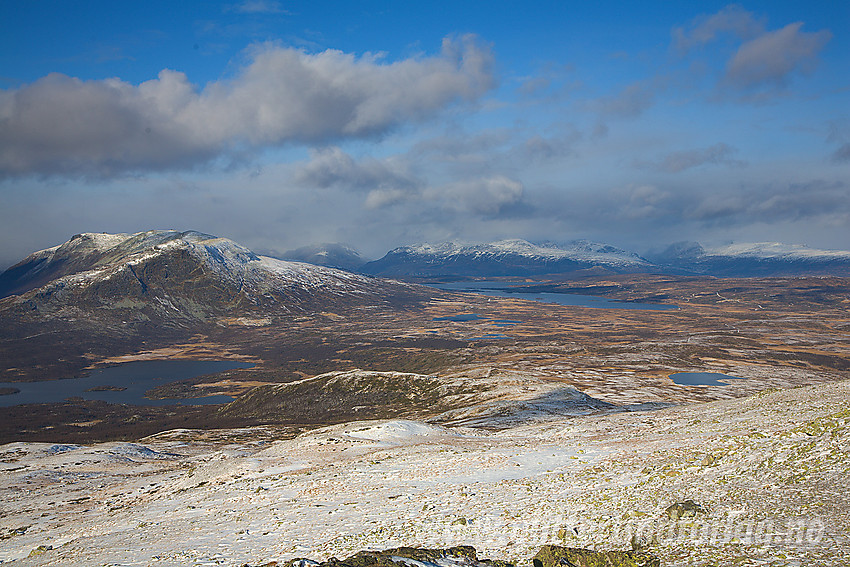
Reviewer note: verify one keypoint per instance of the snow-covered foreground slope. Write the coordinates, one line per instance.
(770, 472)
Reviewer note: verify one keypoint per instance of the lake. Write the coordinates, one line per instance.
(702, 378)
(509, 289)
(122, 384)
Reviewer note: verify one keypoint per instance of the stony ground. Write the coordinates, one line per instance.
(769, 471)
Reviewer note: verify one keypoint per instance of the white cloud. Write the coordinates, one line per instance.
(705, 29)
(770, 58)
(63, 125)
(764, 60)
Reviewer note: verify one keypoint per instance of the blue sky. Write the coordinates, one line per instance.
(378, 124)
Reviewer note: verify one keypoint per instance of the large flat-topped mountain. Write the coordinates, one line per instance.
(505, 257)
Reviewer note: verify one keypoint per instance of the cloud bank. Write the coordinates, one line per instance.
(63, 125)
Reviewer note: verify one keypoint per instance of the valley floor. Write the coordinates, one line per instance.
(770, 472)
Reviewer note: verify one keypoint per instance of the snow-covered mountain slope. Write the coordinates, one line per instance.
(113, 294)
(505, 257)
(754, 259)
(169, 264)
(777, 251)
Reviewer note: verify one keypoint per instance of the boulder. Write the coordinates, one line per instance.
(686, 509)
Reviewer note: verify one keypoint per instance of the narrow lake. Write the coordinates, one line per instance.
(702, 378)
(122, 384)
(510, 289)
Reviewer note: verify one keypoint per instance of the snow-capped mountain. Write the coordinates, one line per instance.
(101, 295)
(754, 259)
(330, 255)
(170, 264)
(505, 257)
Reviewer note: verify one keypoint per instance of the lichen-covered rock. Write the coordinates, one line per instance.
(686, 509)
(40, 550)
(557, 556)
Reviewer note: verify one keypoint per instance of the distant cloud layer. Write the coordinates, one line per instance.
(391, 181)
(675, 162)
(63, 125)
(384, 182)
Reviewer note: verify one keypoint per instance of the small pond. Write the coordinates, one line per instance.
(122, 384)
(702, 378)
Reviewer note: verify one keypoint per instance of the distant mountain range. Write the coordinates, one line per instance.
(214, 272)
(522, 258)
(753, 259)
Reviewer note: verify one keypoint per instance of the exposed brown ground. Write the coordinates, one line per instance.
(776, 332)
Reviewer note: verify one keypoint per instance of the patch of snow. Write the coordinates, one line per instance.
(400, 430)
(57, 449)
(137, 451)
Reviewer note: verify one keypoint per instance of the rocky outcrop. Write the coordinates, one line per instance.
(557, 556)
(466, 556)
(336, 397)
(459, 556)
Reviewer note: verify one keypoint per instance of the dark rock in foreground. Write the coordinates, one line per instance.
(459, 556)
(466, 556)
